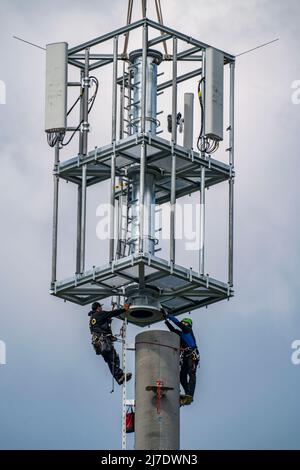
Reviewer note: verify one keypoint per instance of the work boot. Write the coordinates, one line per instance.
(122, 378)
(188, 400)
(182, 400)
(185, 400)
(128, 376)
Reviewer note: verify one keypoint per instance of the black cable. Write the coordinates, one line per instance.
(210, 145)
(73, 106)
(91, 101)
(52, 138)
(72, 135)
(201, 105)
(202, 114)
(95, 80)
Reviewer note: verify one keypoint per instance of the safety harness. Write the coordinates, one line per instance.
(188, 352)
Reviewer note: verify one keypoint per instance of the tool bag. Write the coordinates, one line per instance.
(130, 420)
(188, 352)
(101, 343)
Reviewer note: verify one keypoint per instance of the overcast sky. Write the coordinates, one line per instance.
(54, 391)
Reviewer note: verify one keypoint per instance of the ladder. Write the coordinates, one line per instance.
(125, 401)
(124, 221)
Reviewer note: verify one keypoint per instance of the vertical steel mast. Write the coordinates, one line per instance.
(144, 83)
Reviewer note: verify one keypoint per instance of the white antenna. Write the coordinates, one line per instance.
(257, 47)
(30, 43)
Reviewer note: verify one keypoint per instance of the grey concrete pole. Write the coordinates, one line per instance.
(157, 421)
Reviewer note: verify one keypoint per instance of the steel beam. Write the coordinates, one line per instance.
(83, 220)
(80, 65)
(159, 39)
(94, 56)
(184, 37)
(86, 86)
(231, 181)
(231, 115)
(144, 79)
(112, 209)
(173, 156)
(55, 215)
(100, 63)
(106, 37)
(143, 146)
(78, 238)
(114, 91)
(180, 79)
(188, 52)
(113, 156)
(202, 222)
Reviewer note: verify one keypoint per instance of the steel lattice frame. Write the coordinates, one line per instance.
(183, 171)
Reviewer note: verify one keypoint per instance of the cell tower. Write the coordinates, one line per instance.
(145, 171)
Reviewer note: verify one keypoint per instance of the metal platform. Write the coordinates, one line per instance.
(134, 154)
(181, 290)
(159, 155)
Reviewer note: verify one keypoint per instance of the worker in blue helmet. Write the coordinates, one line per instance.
(189, 355)
(102, 338)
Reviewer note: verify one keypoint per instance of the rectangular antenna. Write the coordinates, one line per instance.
(188, 135)
(214, 82)
(56, 87)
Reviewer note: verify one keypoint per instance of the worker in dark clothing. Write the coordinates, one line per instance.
(189, 357)
(102, 339)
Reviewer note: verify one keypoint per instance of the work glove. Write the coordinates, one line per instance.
(164, 313)
(126, 307)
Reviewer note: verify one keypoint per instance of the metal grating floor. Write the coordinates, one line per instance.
(159, 151)
(181, 290)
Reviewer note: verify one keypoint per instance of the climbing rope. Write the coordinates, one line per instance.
(128, 21)
(161, 21)
(144, 13)
(144, 8)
